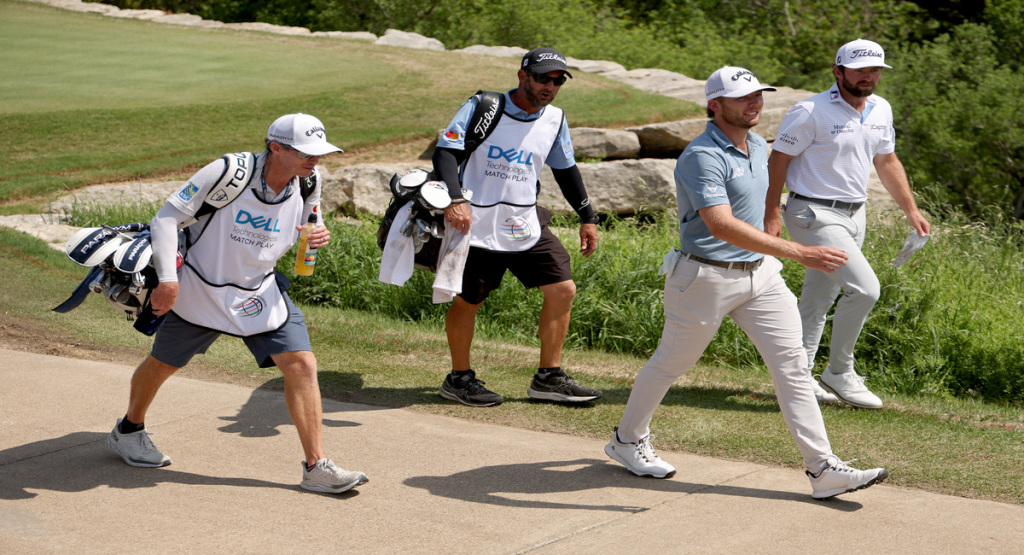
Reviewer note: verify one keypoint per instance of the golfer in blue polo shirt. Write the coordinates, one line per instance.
(727, 267)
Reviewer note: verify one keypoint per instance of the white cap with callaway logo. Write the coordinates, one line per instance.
(732, 82)
(861, 53)
(302, 132)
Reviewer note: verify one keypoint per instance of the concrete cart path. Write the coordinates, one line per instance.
(437, 484)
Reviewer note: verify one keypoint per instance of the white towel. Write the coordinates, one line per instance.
(399, 257)
(668, 263)
(451, 261)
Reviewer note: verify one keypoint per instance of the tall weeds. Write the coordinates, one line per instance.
(949, 322)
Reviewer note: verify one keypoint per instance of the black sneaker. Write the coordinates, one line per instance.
(559, 386)
(470, 391)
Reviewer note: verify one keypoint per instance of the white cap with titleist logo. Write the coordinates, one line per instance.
(302, 132)
(732, 82)
(861, 53)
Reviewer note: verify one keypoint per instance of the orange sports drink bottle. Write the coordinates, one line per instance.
(305, 258)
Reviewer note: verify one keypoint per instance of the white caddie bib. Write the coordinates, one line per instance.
(227, 282)
(503, 174)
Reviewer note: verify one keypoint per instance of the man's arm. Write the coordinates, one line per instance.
(164, 239)
(571, 183)
(894, 179)
(723, 225)
(778, 167)
(446, 166)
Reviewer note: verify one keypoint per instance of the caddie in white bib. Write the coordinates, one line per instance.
(506, 168)
(236, 292)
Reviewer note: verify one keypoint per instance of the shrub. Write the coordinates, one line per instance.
(958, 112)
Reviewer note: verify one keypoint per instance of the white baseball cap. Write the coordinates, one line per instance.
(732, 82)
(302, 132)
(861, 53)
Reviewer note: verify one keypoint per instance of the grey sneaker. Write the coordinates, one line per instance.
(849, 388)
(559, 386)
(639, 458)
(839, 478)
(327, 477)
(136, 448)
(469, 391)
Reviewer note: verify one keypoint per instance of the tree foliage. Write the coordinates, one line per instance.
(958, 107)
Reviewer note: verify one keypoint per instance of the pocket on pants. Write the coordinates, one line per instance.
(684, 276)
(799, 216)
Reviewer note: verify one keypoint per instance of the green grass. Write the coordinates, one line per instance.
(959, 447)
(160, 115)
(88, 99)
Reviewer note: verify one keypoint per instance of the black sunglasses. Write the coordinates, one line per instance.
(545, 79)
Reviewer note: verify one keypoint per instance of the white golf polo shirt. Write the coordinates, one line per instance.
(834, 145)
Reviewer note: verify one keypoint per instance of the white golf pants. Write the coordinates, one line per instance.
(697, 298)
(817, 225)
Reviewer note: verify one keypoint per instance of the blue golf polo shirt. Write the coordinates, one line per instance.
(712, 171)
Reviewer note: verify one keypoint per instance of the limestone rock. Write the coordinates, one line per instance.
(355, 35)
(394, 37)
(594, 66)
(497, 51)
(589, 142)
(668, 138)
(620, 187)
(269, 28)
(138, 14)
(363, 188)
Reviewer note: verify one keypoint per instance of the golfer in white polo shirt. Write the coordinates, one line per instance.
(823, 154)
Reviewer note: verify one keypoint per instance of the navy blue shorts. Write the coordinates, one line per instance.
(545, 263)
(177, 341)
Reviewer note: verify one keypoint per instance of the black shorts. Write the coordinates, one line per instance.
(545, 263)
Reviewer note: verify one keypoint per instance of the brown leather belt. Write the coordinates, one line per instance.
(745, 266)
(842, 205)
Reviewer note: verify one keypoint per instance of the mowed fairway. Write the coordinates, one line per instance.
(87, 98)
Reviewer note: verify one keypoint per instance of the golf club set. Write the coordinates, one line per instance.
(121, 270)
(425, 225)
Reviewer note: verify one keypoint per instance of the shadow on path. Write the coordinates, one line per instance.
(81, 461)
(504, 485)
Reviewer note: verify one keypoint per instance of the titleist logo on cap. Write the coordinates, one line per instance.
(549, 56)
(864, 53)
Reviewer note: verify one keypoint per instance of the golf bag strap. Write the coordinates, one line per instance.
(238, 171)
(485, 119)
(80, 293)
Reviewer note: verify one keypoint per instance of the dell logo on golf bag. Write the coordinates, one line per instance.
(511, 155)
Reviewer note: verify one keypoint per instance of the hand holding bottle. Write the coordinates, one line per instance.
(311, 238)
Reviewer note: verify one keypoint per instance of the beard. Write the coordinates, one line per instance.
(856, 91)
(533, 97)
(737, 119)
